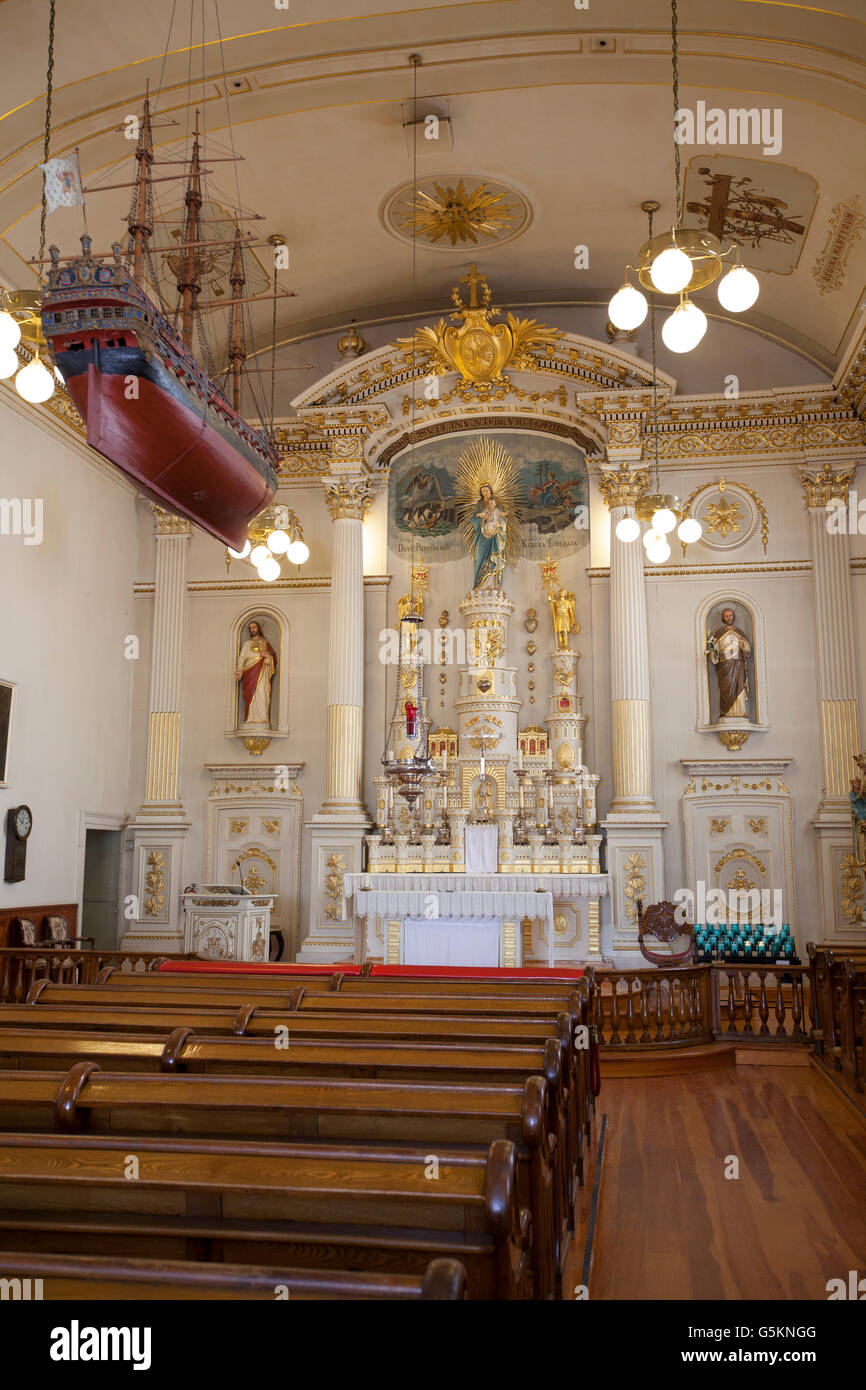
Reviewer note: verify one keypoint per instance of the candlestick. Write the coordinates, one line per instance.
(550, 759)
(520, 758)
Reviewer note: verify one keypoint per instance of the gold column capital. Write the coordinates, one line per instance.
(621, 487)
(824, 485)
(348, 497)
(166, 523)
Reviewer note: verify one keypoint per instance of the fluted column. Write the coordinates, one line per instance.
(842, 919)
(834, 627)
(348, 501)
(152, 897)
(162, 787)
(337, 832)
(634, 828)
(629, 650)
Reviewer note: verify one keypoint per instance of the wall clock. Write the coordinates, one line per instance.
(19, 823)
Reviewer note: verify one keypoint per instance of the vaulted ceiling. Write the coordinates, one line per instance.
(569, 108)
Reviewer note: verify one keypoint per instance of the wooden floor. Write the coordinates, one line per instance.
(670, 1225)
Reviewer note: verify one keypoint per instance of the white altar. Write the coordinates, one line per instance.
(221, 924)
(540, 915)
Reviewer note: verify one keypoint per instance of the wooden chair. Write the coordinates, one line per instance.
(55, 932)
(659, 921)
(26, 928)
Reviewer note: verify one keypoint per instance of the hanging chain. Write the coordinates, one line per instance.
(274, 348)
(676, 89)
(49, 88)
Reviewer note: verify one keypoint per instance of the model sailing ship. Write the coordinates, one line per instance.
(150, 407)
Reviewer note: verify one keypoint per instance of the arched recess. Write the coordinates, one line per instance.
(273, 618)
(755, 630)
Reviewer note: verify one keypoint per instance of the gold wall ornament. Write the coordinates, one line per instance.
(846, 225)
(826, 485)
(560, 924)
(478, 350)
(335, 866)
(723, 518)
(154, 882)
(256, 746)
(757, 825)
(565, 756)
(621, 487)
(255, 881)
(719, 824)
(734, 854)
(635, 883)
(530, 622)
(733, 739)
(166, 523)
(271, 827)
(348, 499)
(722, 515)
(852, 889)
(237, 827)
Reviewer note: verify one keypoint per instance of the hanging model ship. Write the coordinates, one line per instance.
(150, 407)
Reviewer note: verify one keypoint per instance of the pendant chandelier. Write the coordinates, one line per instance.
(274, 534)
(680, 262)
(410, 765)
(663, 510)
(20, 320)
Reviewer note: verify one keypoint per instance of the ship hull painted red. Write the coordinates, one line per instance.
(177, 458)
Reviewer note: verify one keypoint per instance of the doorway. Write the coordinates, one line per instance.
(100, 899)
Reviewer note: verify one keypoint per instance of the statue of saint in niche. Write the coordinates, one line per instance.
(858, 810)
(729, 650)
(257, 662)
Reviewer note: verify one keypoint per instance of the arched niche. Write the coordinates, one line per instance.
(275, 626)
(749, 620)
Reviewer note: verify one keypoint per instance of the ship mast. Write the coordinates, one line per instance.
(189, 264)
(140, 220)
(237, 346)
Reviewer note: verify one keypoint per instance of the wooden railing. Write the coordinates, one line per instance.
(687, 1006)
(21, 965)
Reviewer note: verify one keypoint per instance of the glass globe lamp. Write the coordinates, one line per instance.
(671, 271)
(628, 308)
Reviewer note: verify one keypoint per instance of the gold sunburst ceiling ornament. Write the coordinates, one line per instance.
(449, 212)
(479, 350)
(458, 213)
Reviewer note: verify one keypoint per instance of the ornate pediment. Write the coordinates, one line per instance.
(479, 350)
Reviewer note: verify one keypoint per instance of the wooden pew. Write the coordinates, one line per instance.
(838, 986)
(88, 1277)
(328, 1110)
(185, 1051)
(314, 1207)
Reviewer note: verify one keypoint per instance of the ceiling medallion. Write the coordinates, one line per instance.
(450, 213)
(478, 350)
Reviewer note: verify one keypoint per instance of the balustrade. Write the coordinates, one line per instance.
(701, 1004)
(20, 966)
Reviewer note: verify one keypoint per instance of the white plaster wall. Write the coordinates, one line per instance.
(65, 611)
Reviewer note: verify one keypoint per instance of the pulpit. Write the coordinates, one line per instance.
(221, 923)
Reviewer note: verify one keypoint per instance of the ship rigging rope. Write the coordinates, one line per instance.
(49, 90)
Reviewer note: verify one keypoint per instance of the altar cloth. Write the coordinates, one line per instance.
(456, 941)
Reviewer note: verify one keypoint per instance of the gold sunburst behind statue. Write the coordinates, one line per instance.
(487, 463)
(458, 213)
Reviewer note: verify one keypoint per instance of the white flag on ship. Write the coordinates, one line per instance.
(62, 183)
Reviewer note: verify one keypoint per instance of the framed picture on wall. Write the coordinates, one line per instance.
(6, 692)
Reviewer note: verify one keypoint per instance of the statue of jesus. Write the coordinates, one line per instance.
(257, 663)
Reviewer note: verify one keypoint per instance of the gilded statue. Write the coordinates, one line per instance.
(562, 612)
